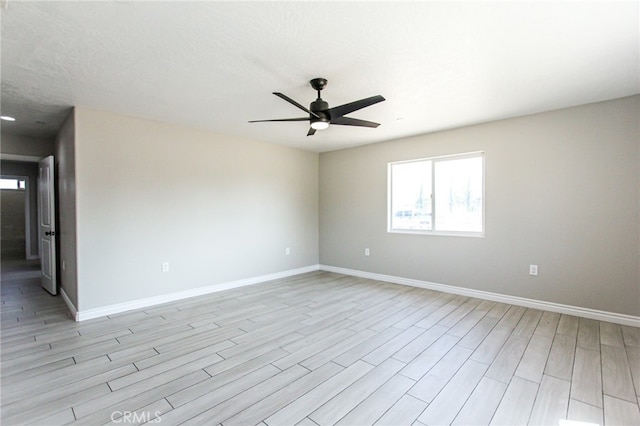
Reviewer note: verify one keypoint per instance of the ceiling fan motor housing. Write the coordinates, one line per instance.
(319, 107)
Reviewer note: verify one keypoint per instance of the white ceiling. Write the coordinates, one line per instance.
(213, 65)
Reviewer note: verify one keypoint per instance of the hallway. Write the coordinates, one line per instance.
(24, 301)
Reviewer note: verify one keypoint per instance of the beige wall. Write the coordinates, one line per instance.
(562, 192)
(217, 208)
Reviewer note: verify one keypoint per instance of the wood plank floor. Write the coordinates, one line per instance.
(314, 349)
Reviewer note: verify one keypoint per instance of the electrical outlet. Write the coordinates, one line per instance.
(533, 270)
(165, 266)
(367, 252)
(287, 251)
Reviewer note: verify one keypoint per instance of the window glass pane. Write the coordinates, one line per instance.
(458, 189)
(12, 184)
(411, 195)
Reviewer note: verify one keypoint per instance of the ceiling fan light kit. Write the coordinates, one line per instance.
(321, 116)
(320, 124)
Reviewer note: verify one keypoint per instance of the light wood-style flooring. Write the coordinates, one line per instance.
(313, 349)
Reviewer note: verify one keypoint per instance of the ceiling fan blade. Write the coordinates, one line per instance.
(292, 102)
(311, 131)
(341, 110)
(348, 121)
(281, 119)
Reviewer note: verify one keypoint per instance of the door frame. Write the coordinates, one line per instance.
(36, 160)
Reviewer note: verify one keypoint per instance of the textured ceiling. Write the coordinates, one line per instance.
(213, 65)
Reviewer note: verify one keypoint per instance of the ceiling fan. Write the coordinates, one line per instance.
(320, 115)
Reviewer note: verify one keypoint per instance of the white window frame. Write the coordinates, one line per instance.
(434, 160)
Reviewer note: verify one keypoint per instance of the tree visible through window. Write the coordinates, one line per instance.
(437, 195)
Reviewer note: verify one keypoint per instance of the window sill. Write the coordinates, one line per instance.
(437, 233)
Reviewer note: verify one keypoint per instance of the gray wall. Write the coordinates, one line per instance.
(12, 237)
(66, 240)
(562, 192)
(24, 145)
(217, 208)
(30, 170)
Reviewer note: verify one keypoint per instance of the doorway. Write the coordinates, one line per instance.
(15, 241)
(17, 171)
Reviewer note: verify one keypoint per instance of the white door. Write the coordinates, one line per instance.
(46, 217)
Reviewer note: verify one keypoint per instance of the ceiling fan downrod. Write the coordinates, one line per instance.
(318, 84)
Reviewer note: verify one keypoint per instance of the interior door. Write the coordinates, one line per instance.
(46, 216)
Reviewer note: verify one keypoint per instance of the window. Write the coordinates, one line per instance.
(12, 184)
(443, 195)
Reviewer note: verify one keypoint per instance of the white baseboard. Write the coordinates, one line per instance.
(172, 297)
(595, 314)
(69, 303)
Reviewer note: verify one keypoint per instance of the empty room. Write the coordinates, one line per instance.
(320, 213)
